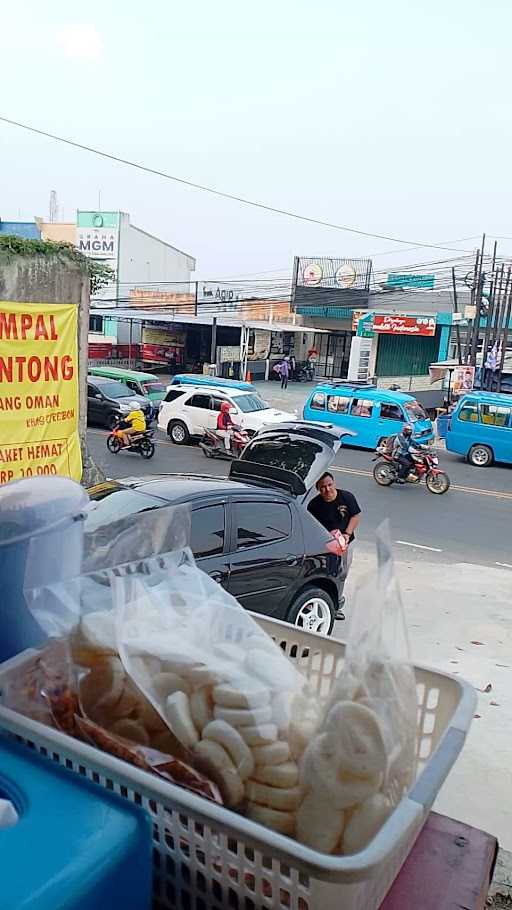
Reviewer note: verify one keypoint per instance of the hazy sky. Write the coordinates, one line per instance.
(393, 117)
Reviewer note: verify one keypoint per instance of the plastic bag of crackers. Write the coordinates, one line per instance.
(169, 661)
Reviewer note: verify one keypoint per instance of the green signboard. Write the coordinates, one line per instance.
(404, 280)
(97, 219)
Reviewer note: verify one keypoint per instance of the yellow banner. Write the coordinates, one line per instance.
(39, 391)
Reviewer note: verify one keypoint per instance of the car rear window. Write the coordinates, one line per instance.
(259, 523)
(116, 505)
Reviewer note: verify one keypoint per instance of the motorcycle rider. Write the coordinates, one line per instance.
(400, 452)
(225, 425)
(133, 423)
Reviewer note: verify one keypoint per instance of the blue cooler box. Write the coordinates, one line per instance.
(75, 846)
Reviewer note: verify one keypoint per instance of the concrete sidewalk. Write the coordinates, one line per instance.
(459, 622)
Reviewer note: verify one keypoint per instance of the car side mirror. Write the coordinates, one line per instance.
(233, 411)
(99, 396)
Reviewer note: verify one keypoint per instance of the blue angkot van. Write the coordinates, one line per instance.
(480, 428)
(371, 413)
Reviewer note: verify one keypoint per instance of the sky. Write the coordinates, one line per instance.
(392, 118)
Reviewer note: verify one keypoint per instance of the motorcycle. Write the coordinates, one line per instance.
(142, 443)
(213, 445)
(425, 464)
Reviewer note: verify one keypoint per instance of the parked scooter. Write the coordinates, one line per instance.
(213, 444)
(425, 464)
(142, 443)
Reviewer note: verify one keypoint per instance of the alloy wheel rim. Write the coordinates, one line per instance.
(178, 433)
(314, 616)
(480, 456)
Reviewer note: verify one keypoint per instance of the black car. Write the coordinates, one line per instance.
(252, 532)
(109, 400)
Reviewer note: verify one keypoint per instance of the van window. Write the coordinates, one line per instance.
(362, 407)
(495, 415)
(318, 401)
(469, 412)
(391, 411)
(338, 404)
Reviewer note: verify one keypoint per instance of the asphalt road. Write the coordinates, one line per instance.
(470, 523)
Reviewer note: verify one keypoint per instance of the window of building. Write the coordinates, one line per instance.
(207, 531)
(318, 401)
(261, 522)
(96, 324)
(495, 415)
(361, 407)
(469, 412)
(338, 404)
(391, 411)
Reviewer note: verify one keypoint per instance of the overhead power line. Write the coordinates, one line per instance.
(215, 192)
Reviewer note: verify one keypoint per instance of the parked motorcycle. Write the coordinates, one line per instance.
(425, 465)
(213, 445)
(142, 443)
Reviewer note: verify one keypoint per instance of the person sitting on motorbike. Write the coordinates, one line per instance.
(225, 424)
(133, 423)
(400, 452)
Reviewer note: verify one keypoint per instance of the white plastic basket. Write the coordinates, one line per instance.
(208, 858)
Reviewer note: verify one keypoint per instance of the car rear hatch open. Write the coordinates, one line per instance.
(291, 456)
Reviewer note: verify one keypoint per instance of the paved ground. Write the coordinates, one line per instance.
(458, 618)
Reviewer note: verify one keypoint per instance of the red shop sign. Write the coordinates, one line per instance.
(404, 325)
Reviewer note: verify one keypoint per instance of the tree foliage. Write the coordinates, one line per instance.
(99, 272)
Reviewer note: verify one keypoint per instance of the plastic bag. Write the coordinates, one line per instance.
(224, 688)
(361, 759)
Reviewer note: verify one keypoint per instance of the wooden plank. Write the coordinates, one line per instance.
(449, 868)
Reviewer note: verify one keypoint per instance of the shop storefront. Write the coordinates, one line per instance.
(333, 354)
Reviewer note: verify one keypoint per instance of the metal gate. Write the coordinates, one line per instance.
(333, 354)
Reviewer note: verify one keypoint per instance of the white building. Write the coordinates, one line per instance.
(138, 259)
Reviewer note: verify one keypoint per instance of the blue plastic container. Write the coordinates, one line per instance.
(41, 534)
(75, 846)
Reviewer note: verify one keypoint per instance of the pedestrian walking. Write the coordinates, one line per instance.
(284, 370)
(337, 510)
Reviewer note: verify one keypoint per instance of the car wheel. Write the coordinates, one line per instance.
(313, 610)
(178, 432)
(480, 456)
(112, 421)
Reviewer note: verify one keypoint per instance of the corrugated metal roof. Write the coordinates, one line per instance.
(138, 315)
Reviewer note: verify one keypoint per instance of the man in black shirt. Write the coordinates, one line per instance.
(337, 510)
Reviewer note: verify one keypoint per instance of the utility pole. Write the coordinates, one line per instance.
(508, 309)
(456, 310)
(478, 303)
(213, 351)
(195, 299)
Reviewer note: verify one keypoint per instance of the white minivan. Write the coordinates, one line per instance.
(187, 410)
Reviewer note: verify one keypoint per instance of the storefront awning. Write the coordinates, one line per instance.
(138, 315)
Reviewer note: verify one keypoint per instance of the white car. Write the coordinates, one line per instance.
(187, 410)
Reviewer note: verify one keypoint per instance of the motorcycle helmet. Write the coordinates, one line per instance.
(225, 406)
(407, 430)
